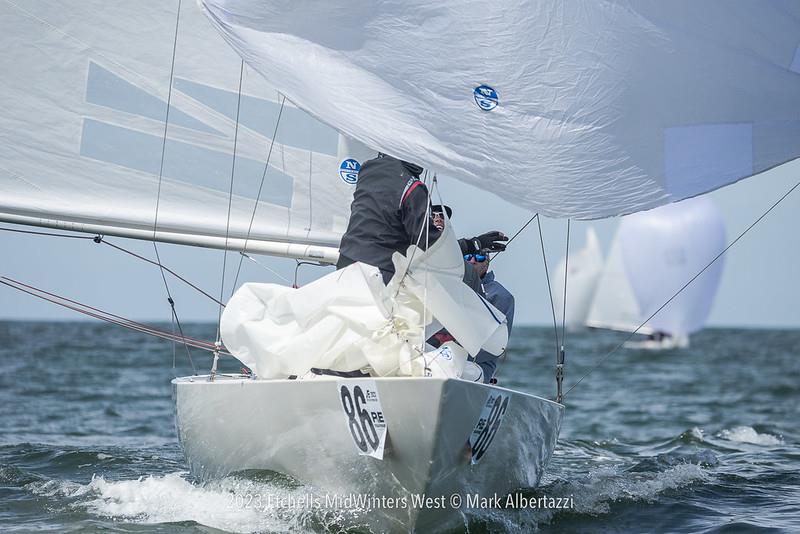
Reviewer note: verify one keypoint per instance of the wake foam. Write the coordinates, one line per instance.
(593, 495)
(600, 488)
(231, 504)
(747, 434)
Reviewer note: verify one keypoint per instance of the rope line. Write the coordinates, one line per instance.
(103, 315)
(718, 256)
(260, 188)
(103, 240)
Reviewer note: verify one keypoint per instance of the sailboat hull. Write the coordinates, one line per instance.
(299, 428)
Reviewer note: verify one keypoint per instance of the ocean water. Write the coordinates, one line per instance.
(703, 439)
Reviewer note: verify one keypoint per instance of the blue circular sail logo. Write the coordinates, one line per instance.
(485, 97)
(348, 170)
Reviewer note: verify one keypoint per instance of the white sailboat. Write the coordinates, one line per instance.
(582, 269)
(527, 108)
(652, 255)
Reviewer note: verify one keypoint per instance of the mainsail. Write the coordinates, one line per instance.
(83, 128)
(581, 109)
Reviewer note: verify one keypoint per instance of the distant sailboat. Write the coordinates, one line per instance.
(569, 109)
(652, 255)
(585, 267)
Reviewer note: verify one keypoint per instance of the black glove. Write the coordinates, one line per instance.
(490, 241)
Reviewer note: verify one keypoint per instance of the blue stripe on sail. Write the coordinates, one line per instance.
(774, 142)
(795, 66)
(297, 128)
(187, 163)
(709, 154)
(106, 89)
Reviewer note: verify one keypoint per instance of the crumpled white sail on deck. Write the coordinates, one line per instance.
(350, 320)
(84, 97)
(579, 109)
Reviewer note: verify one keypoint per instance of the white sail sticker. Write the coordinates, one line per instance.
(364, 415)
(488, 424)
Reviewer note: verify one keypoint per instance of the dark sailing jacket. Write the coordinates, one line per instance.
(389, 209)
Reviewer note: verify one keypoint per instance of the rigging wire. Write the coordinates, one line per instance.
(561, 355)
(273, 271)
(260, 188)
(230, 202)
(102, 239)
(170, 300)
(51, 234)
(296, 269)
(427, 225)
(549, 289)
(564, 302)
(718, 256)
(535, 215)
(423, 226)
(103, 315)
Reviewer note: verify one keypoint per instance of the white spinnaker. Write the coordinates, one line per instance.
(654, 253)
(662, 250)
(602, 107)
(82, 125)
(585, 267)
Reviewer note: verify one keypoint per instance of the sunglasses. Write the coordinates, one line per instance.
(478, 257)
(437, 214)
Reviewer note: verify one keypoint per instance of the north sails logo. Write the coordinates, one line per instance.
(485, 97)
(348, 171)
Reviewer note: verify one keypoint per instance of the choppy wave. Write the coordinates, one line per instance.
(233, 504)
(701, 439)
(747, 434)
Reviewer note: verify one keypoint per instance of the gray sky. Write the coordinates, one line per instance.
(759, 286)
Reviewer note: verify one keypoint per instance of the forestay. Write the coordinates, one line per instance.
(573, 109)
(82, 130)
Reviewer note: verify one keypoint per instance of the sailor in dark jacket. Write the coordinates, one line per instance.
(389, 212)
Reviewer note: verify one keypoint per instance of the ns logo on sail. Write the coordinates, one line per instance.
(486, 97)
(348, 171)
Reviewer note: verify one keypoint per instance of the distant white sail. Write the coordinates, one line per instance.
(84, 97)
(585, 267)
(653, 255)
(614, 305)
(663, 249)
(580, 109)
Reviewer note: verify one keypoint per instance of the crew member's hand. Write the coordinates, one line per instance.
(490, 241)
